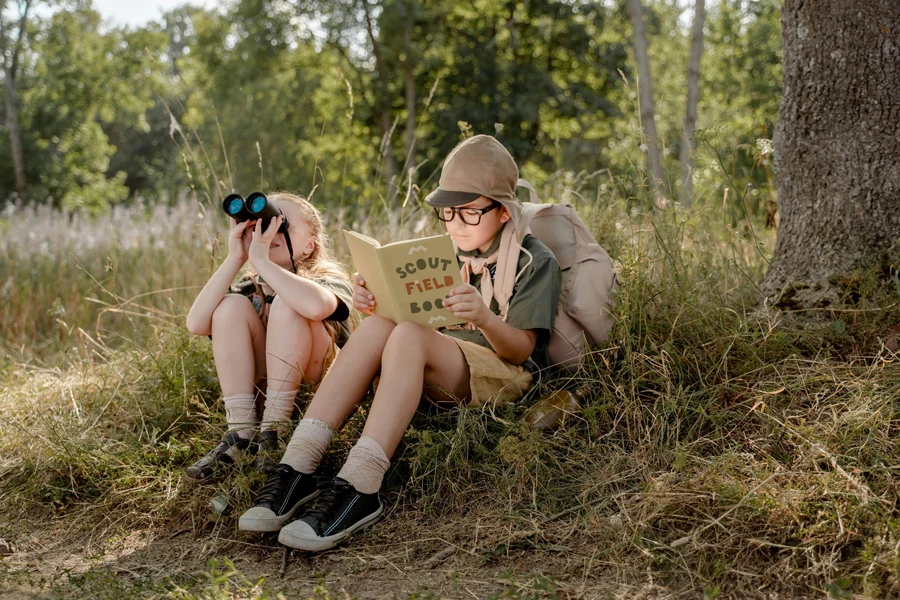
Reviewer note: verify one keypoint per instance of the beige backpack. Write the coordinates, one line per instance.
(584, 312)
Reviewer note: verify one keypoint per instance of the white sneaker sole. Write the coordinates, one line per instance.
(300, 541)
(271, 524)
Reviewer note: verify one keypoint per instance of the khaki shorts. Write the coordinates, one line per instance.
(492, 380)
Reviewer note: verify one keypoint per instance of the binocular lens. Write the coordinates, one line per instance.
(257, 204)
(234, 206)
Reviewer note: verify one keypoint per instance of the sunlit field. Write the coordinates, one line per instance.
(725, 447)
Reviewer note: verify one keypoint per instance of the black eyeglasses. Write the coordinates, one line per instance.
(469, 216)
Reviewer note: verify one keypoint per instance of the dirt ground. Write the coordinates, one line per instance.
(375, 564)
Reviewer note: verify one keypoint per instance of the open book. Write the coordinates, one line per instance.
(408, 279)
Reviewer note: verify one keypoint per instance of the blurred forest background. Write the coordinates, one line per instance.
(359, 100)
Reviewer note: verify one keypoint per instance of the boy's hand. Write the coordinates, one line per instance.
(363, 300)
(466, 303)
(262, 240)
(238, 243)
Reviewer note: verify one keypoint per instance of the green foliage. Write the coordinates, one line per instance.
(304, 96)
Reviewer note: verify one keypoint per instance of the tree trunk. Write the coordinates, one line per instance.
(645, 94)
(410, 98)
(10, 58)
(15, 134)
(837, 149)
(693, 97)
(384, 100)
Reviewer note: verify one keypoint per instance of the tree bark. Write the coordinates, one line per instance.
(693, 97)
(384, 100)
(10, 71)
(837, 149)
(15, 134)
(645, 95)
(410, 96)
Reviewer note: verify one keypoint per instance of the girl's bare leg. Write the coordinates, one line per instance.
(414, 356)
(239, 345)
(295, 348)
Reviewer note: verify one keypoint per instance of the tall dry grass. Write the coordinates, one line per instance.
(725, 447)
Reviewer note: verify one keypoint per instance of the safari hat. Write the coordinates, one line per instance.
(478, 166)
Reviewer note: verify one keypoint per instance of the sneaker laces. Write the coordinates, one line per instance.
(335, 489)
(278, 478)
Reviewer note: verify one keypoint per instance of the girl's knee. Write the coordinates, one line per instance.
(232, 308)
(280, 312)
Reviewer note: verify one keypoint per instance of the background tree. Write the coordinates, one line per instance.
(836, 148)
(645, 93)
(686, 192)
(12, 39)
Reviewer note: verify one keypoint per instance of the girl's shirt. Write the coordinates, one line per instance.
(255, 288)
(533, 303)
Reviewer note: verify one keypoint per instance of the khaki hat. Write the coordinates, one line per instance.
(479, 166)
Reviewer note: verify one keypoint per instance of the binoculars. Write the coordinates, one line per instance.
(256, 206)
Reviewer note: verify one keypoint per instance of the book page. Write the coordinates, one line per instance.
(420, 274)
(364, 251)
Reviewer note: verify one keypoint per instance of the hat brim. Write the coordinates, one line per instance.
(441, 197)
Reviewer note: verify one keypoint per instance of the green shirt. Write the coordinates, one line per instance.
(533, 303)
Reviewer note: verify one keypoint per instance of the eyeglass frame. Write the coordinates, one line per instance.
(456, 211)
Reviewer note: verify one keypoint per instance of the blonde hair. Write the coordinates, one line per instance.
(319, 262)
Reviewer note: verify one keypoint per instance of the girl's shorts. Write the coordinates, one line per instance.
(492, 380)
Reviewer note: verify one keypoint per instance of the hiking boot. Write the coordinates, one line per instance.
(284, 492)
(337, 512)
(214, 464)
(268, 451)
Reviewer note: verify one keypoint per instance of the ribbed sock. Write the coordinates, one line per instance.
(366, 465)
(279, 408)
(308, 445)
(240, 412)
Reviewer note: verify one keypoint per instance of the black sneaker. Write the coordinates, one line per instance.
(268, 451)
(214, 464)
(337, 512)
(284, 492)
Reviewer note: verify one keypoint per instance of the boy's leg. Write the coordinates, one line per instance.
(342, 389)
(238, 341)
(413, 356)
(291, 483)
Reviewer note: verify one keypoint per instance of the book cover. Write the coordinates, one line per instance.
(409, 279)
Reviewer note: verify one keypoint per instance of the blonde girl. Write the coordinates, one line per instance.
(279, 325)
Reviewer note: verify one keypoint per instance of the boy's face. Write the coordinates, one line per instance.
(472, 237)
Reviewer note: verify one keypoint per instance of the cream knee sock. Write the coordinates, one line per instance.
(240, 412)
(308, 445)
(365, 467)
(279, 408)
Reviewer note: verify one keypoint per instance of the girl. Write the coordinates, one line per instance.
(493, 360)
(273, 325)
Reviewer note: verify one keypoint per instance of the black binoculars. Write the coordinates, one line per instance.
(256, 206)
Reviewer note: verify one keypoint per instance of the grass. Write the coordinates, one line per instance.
(726, 450)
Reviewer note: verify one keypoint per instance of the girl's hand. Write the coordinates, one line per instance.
(238, 243)
(465, 302)
(261, 241)
(363, 300)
